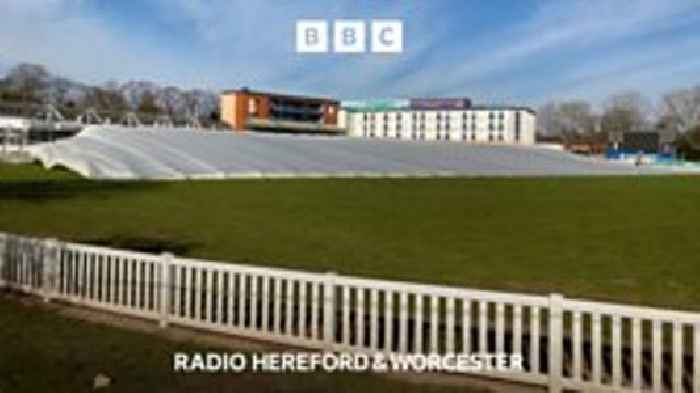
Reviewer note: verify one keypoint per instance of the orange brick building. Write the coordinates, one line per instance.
(246, 109)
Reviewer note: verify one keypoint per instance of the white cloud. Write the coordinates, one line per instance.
(257, 40)
(556, 30)
(71, 42)
(238, 42)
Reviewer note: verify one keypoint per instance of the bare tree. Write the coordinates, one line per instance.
(191, 103)
(569, 119)
(170, 99)
(148, 103)
(576, 117)
(28, 80)
(105, 100)
(681, 109)
(548, 121)
(56, 95)
(624, 112)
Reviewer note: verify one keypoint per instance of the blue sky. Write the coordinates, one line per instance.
(524, 52)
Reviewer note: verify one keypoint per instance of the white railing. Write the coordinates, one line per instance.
(565, 343)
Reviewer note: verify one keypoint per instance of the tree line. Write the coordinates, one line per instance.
(26, 88)
(677, 115)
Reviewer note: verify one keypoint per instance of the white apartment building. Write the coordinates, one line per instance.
(478, 125)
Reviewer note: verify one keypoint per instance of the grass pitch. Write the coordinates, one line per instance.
(47, 352)
(627, 239)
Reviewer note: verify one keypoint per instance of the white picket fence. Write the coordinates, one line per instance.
(566, 343)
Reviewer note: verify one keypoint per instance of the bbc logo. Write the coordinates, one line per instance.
(350, 36)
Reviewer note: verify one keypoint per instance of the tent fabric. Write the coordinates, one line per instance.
(104, 152)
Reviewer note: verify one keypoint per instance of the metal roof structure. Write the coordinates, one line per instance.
(113, 152)
(286, 96)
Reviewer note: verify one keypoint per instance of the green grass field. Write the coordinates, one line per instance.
(43, 351)
(628, 239)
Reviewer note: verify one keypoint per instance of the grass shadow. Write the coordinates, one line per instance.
(48, 190)
(153, 245)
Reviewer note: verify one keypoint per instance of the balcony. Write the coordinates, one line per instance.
(272, 125)
(281, 108)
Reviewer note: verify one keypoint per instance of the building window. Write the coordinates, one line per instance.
(252, 105)
(491, 115)
(464, 136)
(500, 137)
(385, 125)
(490, 137)
(473, 136)
(501, 116)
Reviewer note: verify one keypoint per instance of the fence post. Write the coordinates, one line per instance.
(556, 328)
(3, 259)
(50, 261)
(329, 311)
(166, 260)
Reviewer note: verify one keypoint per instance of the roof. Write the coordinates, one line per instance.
(503, 108)
(281, 95)
(471, 108)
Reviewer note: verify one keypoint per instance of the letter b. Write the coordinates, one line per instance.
(312, 36)
(349, 36)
